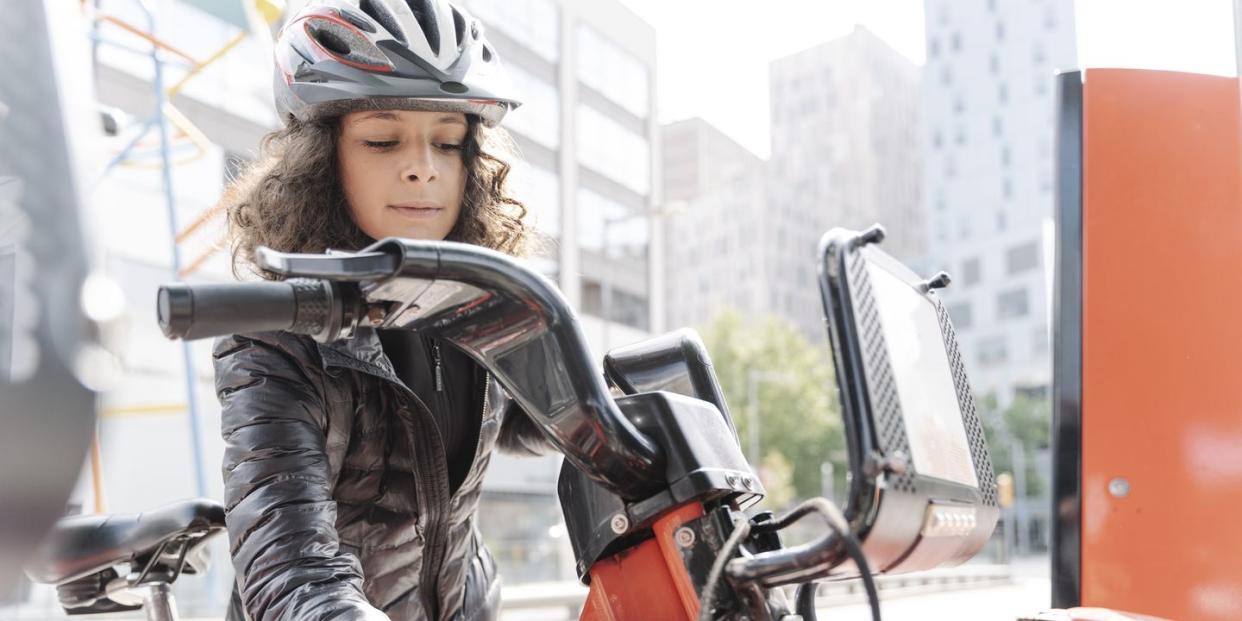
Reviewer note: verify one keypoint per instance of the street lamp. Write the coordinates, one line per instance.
(753, 377)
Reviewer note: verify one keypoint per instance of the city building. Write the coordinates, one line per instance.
(716, 210)
(988, 107)
(846, 133)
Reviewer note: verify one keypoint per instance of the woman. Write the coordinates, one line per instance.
(352, 469)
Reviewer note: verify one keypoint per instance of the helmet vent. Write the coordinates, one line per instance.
(377, 11)
(331, 42)
(425, 15)
(357, 21)
(487, 54)
(459, 27)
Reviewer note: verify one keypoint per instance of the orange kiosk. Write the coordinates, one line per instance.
(1147, 421)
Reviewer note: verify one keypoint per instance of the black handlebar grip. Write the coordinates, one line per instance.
(205, 310)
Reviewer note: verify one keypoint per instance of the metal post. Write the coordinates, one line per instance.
(158, 603)
(1022, 522)
(196, 445)
(605, 287)
(827, 483)
(752, 400)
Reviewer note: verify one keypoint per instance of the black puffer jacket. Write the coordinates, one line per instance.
(336, 485)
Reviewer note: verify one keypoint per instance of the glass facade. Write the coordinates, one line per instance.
(614, 242)
(539, 116)
(535, 23)
(606, 68)
(539, 190)
(609, 148)
(525, 534)
(628, 233)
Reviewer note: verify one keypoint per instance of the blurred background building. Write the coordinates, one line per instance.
(988, 97)
(988, 101)
(845, 126)
(716, 219)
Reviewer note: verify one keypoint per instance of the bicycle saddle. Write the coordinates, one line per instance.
(85, 544)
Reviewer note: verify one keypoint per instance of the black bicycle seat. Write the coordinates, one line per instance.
(84, 544)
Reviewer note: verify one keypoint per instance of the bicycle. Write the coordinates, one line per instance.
(655, 487)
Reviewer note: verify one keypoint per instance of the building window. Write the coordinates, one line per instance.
(533, 22)
(1000, 31)
(963, 227)
(1002, 93)
(1022, 258)
(997, 128)
(959, 136)
(1001, 221)
(957, 41)
(959, 104)
(1007, 188)
(1005, 156)
(971, 272)
(994, 63)
(933, 47)
(1050, 17)
(992, 350)
(613, 150)
(539, 116)
(1012, 304)
(937, 139)
(539, 190)
(946, 76)
(607, 68)
(960, 314)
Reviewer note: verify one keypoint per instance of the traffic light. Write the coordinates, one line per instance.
(1004, 489)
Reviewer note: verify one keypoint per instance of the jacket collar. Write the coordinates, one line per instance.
(362, 352)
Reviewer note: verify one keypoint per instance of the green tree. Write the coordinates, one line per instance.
(800, 419)
(1025, 422)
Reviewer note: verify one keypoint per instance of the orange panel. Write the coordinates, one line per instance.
(1162, 344)
(665, 529)
(634, 585)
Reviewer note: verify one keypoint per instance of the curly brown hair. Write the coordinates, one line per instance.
(291, 198)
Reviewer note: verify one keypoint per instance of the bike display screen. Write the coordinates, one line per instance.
(924, 381)
(922, 491)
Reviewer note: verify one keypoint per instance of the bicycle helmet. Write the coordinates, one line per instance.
(336, 56)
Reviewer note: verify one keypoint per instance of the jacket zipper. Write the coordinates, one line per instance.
(429, 586)
(427, 526)
(439, 372)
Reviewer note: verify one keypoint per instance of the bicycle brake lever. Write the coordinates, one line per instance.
(337, 266)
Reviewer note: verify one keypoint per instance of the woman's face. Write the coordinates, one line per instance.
(403, 171)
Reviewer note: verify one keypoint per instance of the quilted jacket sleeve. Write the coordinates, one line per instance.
(278, 499)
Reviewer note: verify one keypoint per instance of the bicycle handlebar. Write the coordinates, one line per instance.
(304, 306)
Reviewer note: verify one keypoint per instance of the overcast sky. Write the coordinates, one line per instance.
(713, 54)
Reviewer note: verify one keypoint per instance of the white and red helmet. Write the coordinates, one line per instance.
(336, 56)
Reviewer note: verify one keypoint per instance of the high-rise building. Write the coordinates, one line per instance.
(846, 138)
(715, 211)
(988, 104)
